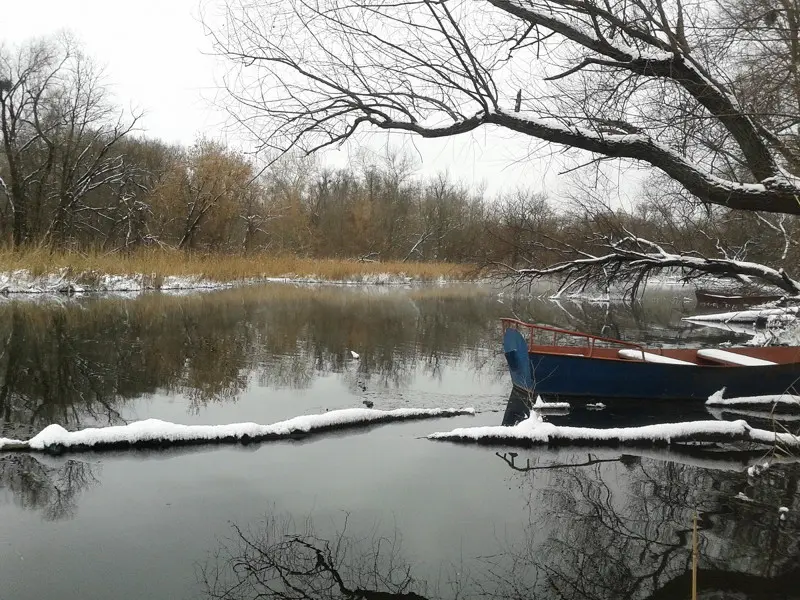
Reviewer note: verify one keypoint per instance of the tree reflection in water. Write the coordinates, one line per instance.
(281, 561)
(78, 363)
(603, 527)
(598, 527)
(53, 490)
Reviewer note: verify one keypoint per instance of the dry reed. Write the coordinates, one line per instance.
(220, 267)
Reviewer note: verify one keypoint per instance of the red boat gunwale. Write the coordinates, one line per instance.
(603, 348)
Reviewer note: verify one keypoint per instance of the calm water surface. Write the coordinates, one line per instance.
(378, 513)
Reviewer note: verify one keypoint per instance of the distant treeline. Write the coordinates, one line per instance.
(75, 174)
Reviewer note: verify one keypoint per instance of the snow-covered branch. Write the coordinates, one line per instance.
(630, 260)
(640, 82)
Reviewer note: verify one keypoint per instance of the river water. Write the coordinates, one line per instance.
(376, 513)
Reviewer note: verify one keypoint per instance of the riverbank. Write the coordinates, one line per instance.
(39, 271)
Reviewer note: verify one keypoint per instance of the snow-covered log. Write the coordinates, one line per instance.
(757, 315)
(153, 432)
(782, 402)
(535, 432)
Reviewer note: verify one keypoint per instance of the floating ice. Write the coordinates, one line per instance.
(542, 405)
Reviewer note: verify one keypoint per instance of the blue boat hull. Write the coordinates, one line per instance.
(577, 376)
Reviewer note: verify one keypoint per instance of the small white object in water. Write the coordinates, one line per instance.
(595, 406)
(354, 355)
(542, 405)
(756, 470)
(743, 496)
(782, 512)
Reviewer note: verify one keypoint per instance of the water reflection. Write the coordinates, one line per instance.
(52, 490)
(597, 528)
(79, 363)
(622, 529)
(280, 560)
(596, 525)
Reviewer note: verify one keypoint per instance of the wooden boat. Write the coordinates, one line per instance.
(558, 362)
(709, 298)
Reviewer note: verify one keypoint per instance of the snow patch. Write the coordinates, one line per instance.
(64, 282)
(542, 405)
(756, 470)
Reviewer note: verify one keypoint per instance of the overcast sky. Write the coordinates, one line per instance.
(157, 59)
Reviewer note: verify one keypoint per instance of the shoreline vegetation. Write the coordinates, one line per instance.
(42, 271)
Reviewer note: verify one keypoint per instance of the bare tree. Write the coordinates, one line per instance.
(279, 560)
(646, 81)
(664, 83)
(60, 134)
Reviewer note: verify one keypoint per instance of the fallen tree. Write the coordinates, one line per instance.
(631, 260)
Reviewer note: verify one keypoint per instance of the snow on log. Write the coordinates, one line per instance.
(153, 432)
(788, 313)
(776, 401)
(534, 432)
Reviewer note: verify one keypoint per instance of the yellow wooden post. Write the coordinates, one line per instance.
(694, 558)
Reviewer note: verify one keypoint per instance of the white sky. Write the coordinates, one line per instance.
(156, 59)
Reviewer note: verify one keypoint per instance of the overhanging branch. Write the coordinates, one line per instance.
(630, 260)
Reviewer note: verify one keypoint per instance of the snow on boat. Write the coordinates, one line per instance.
(558, 362)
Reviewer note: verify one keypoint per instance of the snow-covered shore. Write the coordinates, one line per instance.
(153, 432)
(24, 282)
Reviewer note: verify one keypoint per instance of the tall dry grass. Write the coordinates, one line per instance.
(220, 267)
